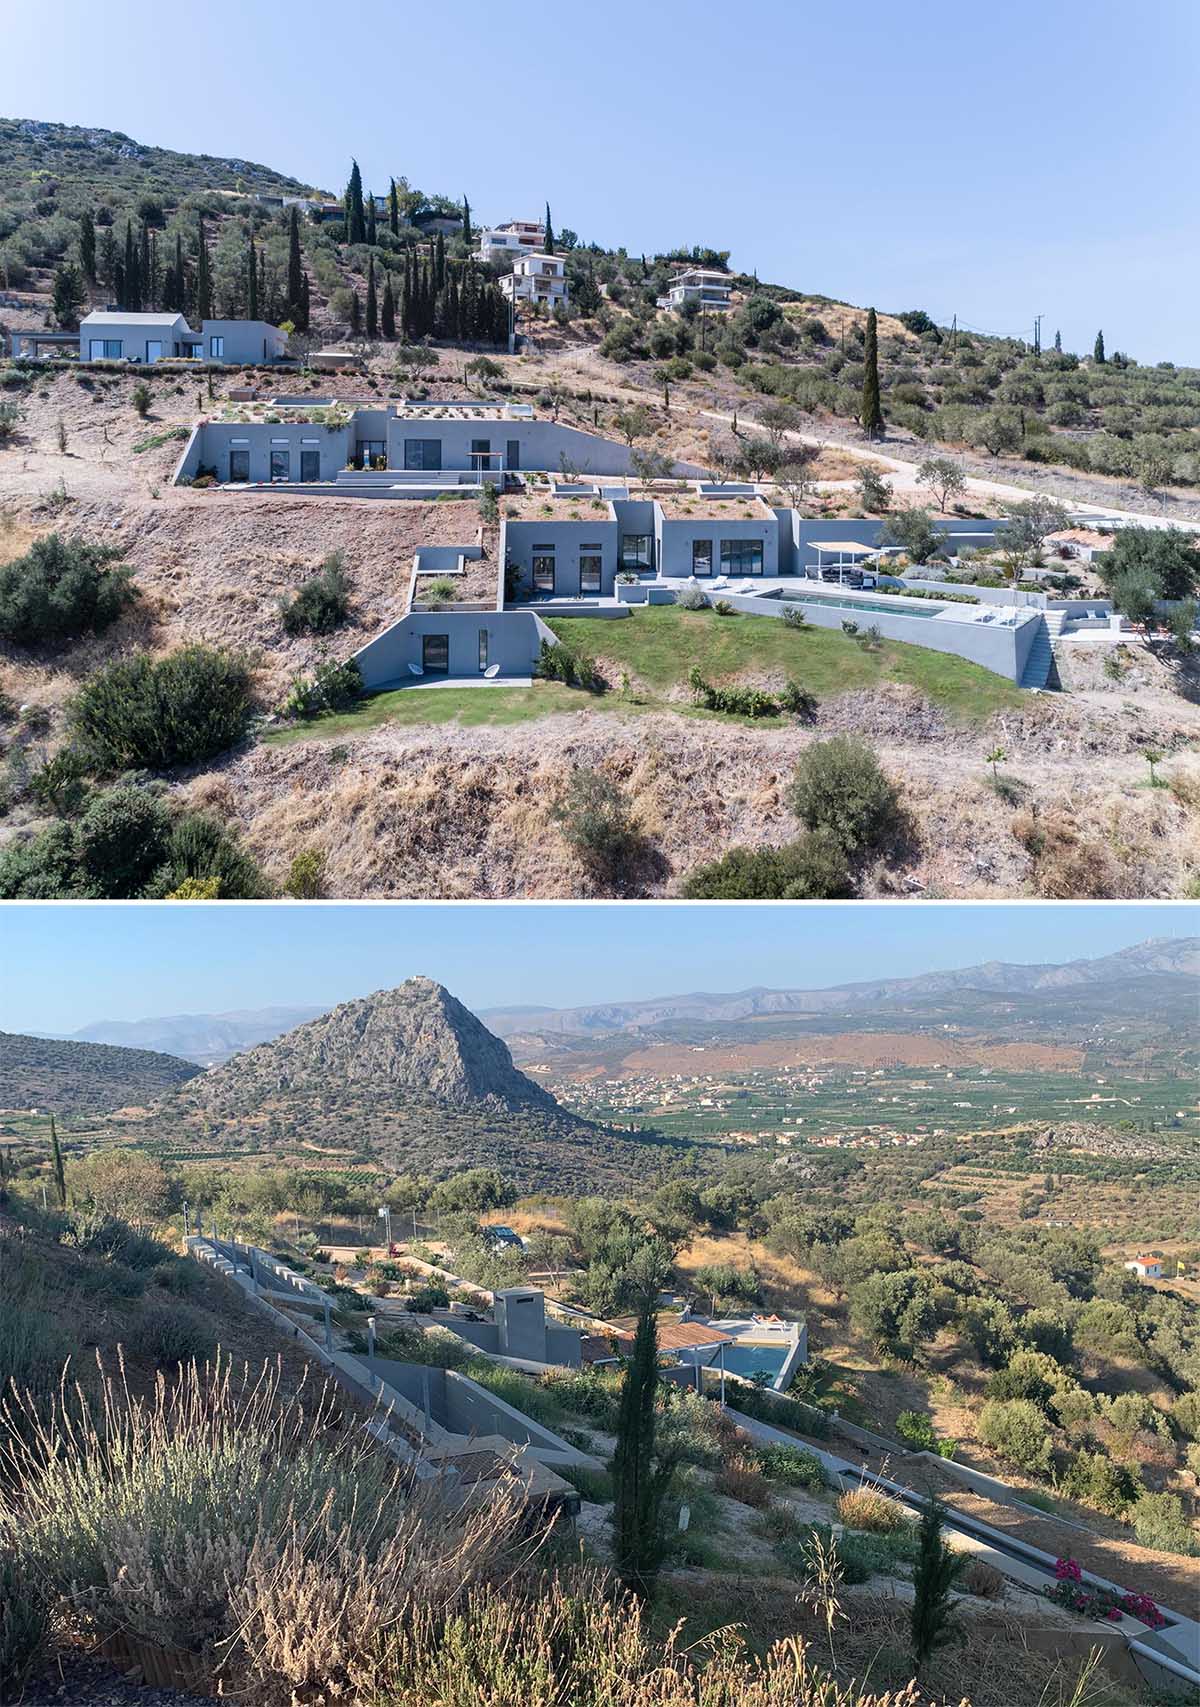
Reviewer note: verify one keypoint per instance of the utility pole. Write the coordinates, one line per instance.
(186, 1226)
(1037, 334)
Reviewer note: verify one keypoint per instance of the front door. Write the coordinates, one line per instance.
(435, 654)
(310, 465)
(239, 466)
(153, 351)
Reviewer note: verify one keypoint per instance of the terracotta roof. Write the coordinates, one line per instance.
(685, 1336)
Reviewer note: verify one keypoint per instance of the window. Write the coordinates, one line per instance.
(106, 349)
(543, 569)
(216, 349)
(590, 566)
(372, 453)
(702, 557)
(310, 465)
(637, 551)
(281, 464)
(239, 465)
(483, 657)
(512, 454)
(741, 557)
(423, 454)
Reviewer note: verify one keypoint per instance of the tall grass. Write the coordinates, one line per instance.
(221, 1518)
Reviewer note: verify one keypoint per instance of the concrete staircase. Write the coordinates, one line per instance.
(1040, 666)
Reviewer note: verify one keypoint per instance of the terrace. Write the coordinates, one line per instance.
(688, 503)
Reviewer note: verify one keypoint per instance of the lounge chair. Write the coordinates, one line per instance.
(416, 669)
(492, 671)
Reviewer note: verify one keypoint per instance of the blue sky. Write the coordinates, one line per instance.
(67, 965)
(994, 162)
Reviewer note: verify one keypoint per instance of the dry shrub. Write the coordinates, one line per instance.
(982, 1580)
(1067, 866)
(740, 1481)
(863, 1509)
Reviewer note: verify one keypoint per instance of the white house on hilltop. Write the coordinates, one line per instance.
(515, 237)
(707, 289)
(537, 278)
(1146, 1267)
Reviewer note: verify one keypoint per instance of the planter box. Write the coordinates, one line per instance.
(631, 592)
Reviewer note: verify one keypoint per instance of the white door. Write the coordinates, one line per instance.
(97, 349)
(153, 351)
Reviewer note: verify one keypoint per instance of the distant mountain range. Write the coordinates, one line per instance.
(203, 1038)
(1167, 958)
(1170, 963)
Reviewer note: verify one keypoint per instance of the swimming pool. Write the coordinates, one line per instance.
(743, 1359)
(892, 606)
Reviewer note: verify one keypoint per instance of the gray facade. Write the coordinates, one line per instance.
(120, 335)
(570, 554)
(454, 641)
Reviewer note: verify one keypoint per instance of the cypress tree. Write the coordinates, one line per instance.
(56, 1162)
(549, 232)
(639, 1480)
(1058, 342)
(295, 275)
(439, 263)
(203, 277)
(872, 414)
(466, 222)
(394, 210)
(372, 303)
(305, 304)
(251, 281)
(356, 228)
(372, 222)
(387, 315)
(132, 296)
(934, 1575)
(145, 269)
(109, 258)
(1098, 351)
(87, 246)
(355, 312)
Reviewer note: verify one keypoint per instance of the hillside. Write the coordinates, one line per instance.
(72, 1078)
(409, 1077)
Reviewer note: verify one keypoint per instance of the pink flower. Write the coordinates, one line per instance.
(1114, 1613)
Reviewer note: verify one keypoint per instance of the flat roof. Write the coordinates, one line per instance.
(691, 505)
(119, 317)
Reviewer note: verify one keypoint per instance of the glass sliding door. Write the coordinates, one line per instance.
(435, 654)
(543, 570)
(591, 566)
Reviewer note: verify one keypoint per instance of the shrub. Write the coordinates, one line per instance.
(24, 1621)
(439, 591)
(982, 1580)
(1095, 1480)
(692, 598)
(862, 1508)
(917, 1431)
(793, 1465)
(141, 398)
(60, 588)
(799, 702)
(560, 663)
(743, 1483)
(1159, 1520)
(169, 1335)
(839, 788)
(330, 688)
(1016, 1431)
(141, 713)
(596, 820)
(322, 602)
(127, 845)
(11, 416)
(813, 868)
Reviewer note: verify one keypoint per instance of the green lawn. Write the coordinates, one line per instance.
(470, 706)
(661, 644)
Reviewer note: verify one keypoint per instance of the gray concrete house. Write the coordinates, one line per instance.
(119, 335)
